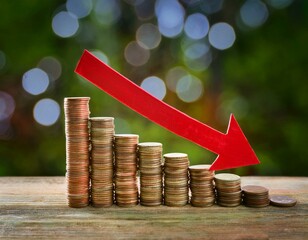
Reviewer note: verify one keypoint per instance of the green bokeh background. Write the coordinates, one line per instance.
(262, 79)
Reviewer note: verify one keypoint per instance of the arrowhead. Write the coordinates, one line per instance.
(236, 150)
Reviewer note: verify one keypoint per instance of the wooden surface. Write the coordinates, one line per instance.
(35, 207)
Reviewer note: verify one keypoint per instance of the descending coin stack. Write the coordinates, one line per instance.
(255, 196)
(176, 179)
(150, 167)
(77, 150)
(126, 189)
(201, 186)
(102, 131)
(228, 189)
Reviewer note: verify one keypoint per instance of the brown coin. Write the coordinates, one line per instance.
(282, 201)
(76, 111)
(125, 158)
(102, 131)
(176, 179)
(255, 196)
(201, 185)
(150, 168)
(254, 189)
(225, 204)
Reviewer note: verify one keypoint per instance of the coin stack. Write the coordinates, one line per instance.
(228, 189)
(77, 112)
(126, 189)
(255, 196)
(150, 167)
(176, 179)
(201, 186)
(102, 131)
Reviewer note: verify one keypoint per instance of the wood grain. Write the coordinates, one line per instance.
(35, 208)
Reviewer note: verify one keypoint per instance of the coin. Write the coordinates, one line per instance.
(176, 189)
(254, 190)
(255, 196)
(282, 201)
(150, 168)
(125, 152)
(228, 189)
(227, 177)
(201, 185)
(76, 111)
(102, 132)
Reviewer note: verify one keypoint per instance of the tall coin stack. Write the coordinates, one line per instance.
(176, 179)
(126, 189)
(255, 196)
(77, 112)
(150, 167)
(228, 189)
(102, 131)
(201, 186)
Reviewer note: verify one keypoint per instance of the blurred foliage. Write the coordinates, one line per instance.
(261, 79)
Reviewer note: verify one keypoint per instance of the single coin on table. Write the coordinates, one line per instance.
(282, 201)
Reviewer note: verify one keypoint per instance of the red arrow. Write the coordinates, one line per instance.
(233, 148)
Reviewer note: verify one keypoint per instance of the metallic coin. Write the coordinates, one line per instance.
(227, 177)
(125, 168)
(150, 168)
(201, 185)
(176, 188)
(225, 204)
(282, 201)
(102, 131)
(255, 196)
(228, 189)
(254, 190)
(200, 168)
(175, 155)
(76, 111)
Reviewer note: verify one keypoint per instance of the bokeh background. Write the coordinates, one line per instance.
(208, 58)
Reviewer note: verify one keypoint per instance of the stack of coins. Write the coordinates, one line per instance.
(77, 112)
(228, 189)
(201, 186)
(126, 189)
(255, 196)
(102, 131)
(150, 167)
(176, 179)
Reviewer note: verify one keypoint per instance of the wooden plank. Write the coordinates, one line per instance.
(35, 207)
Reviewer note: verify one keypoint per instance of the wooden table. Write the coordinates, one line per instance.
(35, 207)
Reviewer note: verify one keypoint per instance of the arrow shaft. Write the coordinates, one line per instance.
(144, 103)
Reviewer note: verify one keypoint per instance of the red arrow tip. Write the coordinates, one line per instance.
(236, 151)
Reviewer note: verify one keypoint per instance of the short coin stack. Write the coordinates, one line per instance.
(228, 189)
(176, 179)
(77, 112)
(102, 131)
(126, 189)
(201, 186)
(255, 196)
(150, 167)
